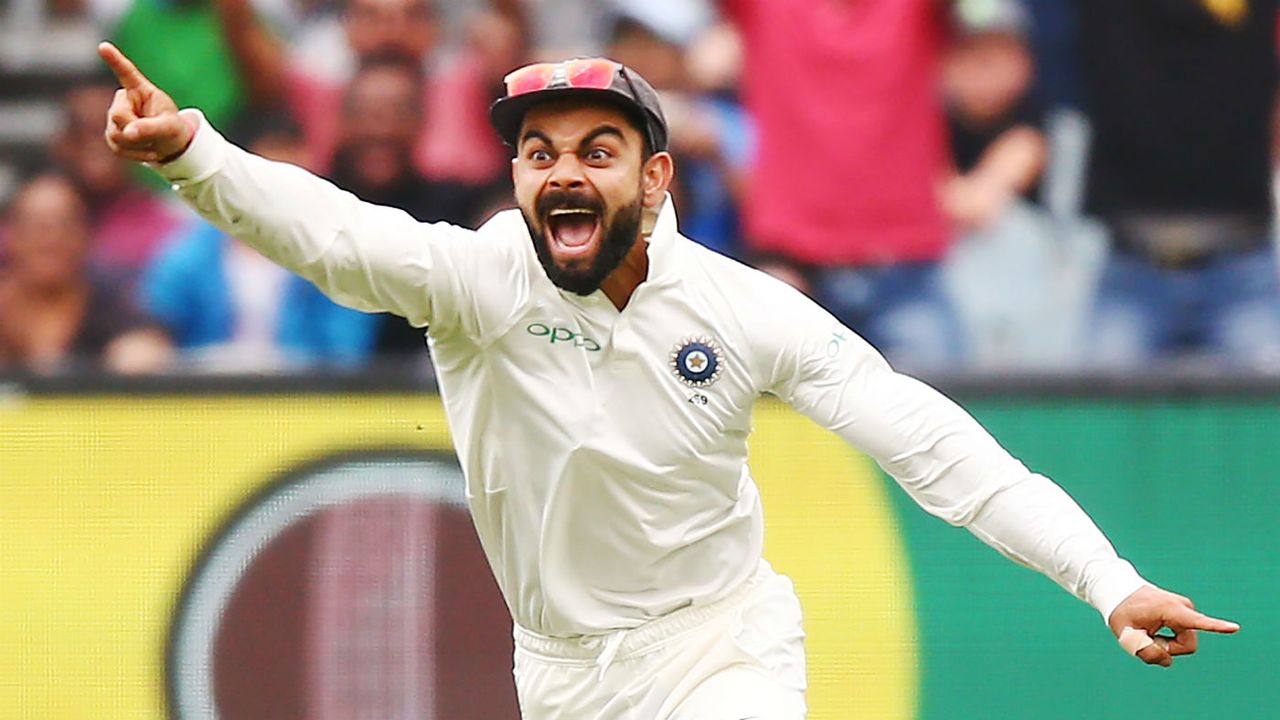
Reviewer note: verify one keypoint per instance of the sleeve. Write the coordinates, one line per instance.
(941, 456)
(364, 256)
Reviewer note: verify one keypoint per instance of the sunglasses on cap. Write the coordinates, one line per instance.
(582, 73)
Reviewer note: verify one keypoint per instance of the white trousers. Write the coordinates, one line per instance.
(738, 658)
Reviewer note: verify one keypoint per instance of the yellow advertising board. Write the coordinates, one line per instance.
(107, 502)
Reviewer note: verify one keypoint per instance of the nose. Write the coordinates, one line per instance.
(567, 174)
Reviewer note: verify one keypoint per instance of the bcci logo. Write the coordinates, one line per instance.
(696, 361)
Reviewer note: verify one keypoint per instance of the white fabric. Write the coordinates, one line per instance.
(605, 490)
(257, 292)
(740, 657)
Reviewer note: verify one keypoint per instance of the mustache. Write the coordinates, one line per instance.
(559, 199)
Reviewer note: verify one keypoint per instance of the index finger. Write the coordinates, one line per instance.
(1193, 620)
(127, 73)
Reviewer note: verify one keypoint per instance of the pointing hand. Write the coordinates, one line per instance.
(143, 123)
(1143, 613)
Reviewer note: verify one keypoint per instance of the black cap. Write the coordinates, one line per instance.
(630, 92)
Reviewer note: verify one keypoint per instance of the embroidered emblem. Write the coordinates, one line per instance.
(696, 361)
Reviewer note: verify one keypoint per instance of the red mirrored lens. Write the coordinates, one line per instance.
(594, 73)
(529, 78)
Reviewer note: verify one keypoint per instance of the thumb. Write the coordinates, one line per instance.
(1155, 654)
(168, 134)
(153, 128)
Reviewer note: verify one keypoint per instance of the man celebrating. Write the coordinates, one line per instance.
(599, 371)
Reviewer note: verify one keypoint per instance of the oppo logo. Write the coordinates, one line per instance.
(562, 335)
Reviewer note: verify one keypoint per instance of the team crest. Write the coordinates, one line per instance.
(696, 361)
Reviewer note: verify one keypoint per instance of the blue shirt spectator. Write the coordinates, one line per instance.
(189, 288)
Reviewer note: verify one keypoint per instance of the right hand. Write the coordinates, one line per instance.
(143, 123)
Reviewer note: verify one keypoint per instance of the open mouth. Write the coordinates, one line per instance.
(573, 231)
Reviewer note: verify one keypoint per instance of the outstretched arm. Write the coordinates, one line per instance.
(954, 469)
(365, 256)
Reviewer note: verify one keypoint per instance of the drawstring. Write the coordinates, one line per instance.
(611, 646)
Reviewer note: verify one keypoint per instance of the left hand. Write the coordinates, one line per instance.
(1150, 609)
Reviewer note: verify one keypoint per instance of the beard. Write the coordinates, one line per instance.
(617, 235)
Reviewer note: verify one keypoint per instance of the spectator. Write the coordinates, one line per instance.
(378, 125)
(1180, 96)
(456, 142)
(126, 221)
(381, 115)
(994, 123)
(992, 197)
(194, 49)
(852, 146)
(710, 135)
(56, 313)
(230, 309)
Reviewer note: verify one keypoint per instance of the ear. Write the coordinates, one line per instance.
(655, 178)
(513, 169)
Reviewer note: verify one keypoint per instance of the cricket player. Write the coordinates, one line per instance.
(598, 370)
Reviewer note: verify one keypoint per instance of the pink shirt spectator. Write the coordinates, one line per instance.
(456, 142)
(128, 229)
(851, 129)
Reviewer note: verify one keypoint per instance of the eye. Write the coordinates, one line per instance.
(598, 155)
(539, 156)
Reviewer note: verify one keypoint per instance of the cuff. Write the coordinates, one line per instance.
(1113, 586)
(202, 158)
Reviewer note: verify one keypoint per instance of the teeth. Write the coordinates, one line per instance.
(572, 211)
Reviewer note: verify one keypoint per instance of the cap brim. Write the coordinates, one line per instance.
(507, 114)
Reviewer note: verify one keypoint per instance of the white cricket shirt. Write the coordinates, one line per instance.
(605, 452)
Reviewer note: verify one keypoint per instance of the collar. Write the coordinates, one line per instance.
(664, 246)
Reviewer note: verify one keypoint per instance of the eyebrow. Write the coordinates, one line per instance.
(606, 129)
(601, 131)
(535, 135)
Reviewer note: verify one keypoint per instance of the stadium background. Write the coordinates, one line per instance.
(120, 497)
(280, 546)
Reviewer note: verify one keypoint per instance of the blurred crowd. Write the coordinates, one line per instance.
(974, 186)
